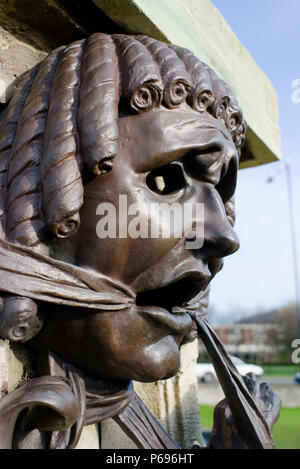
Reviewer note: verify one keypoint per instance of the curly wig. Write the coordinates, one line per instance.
(63, 120)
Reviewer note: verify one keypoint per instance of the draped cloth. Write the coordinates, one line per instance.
(26, 272)
(50, 412)
(77, 400)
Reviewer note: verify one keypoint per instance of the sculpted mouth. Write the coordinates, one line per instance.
(176, 294)
(166, 304)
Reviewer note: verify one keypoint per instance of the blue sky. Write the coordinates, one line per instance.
(260, 275)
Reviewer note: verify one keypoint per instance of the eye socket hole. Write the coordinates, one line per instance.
(227, 183)
(167, 179)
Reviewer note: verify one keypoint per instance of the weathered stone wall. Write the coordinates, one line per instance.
(30, 29)
(14, 366)
(15, 58)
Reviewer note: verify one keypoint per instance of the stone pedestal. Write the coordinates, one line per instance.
(14, 361)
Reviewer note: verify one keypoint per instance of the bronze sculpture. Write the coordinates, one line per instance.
(104, 117)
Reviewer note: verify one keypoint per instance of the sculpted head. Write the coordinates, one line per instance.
(125, 116)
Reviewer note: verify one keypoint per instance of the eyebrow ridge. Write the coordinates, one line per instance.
(200, 125)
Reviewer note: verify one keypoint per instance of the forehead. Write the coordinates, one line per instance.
(152, 138)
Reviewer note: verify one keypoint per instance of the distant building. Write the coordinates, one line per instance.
(249, 341)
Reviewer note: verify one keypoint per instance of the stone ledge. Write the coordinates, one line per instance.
(15, 59)
(199, 26)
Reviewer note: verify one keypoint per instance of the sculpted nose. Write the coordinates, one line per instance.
(220, 240)
(221, 243)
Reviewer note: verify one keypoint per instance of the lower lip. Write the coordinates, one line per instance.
(179, 322)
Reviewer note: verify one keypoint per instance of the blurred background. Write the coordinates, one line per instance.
(253, 300)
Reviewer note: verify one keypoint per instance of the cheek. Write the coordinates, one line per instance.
(135, 242)
(149, 236)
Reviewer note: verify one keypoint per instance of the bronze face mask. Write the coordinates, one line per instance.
(106, 117)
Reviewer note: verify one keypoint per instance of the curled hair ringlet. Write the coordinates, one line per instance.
(61, 159)
(146, 97)
(200, 96)
(103, 167)
(16, 330)
(175, 78)
(8, 128)
(19, 321)
(68, 226)
(176, 93)
(240, 136)
(25, 219)
(201, 99)
(220, 107)
(97, 111)
(140, 80)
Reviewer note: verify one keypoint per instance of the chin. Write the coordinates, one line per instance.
(157, 361)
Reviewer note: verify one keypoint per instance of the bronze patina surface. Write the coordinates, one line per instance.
(106, 117)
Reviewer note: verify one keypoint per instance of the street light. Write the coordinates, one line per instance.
(286, 166)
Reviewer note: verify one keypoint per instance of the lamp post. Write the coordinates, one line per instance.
(286, 166)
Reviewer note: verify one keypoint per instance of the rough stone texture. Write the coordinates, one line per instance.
(47, 24)
(174, 402)
(89, 438)
(15, 58)
(42, 24)
(28, 31)
(113, 437)
(14, 364)
(31, 29)
(199, 26)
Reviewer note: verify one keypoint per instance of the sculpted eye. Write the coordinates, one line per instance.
(166, 179)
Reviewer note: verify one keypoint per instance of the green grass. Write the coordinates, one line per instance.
(280, 370)
(286, 431)
(206, 414)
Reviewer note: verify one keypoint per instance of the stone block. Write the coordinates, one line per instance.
(89, 438)
(15, 58)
